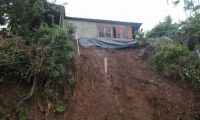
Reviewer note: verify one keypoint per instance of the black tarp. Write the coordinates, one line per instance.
(106, 43)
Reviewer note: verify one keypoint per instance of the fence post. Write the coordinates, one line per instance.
(105, 64)
(77, 44)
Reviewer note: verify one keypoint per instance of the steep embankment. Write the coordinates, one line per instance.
(129, 90)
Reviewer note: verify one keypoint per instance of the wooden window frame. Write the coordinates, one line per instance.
(111, 26)
(104, 31)
(125, 32)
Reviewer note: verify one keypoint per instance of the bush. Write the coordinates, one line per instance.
(42, 53)
(177, 62)
(60, 108)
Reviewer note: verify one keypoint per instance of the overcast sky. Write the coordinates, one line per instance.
(148, 12)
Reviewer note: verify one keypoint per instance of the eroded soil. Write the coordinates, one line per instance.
(130, 90)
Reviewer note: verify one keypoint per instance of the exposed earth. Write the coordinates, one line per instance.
(129, 90)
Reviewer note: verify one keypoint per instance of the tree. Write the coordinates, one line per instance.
(141, 36)
(27, 14)
(39, 49)
(163, 28)
(4, 7)
(191, 25)
(190, 6)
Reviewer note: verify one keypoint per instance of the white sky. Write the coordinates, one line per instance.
(148, 12)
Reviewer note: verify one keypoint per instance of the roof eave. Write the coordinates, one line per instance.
(133, 24)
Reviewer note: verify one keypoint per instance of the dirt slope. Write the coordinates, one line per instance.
(129, 90)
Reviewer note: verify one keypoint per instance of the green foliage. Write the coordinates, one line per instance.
(178, 62)
(70, 28)
(43, 47)
(60, 108)
(51, 94)
(32, 13)
(160, 42)
(189, 5)
(71, 79)
(175, 60)
(23, 112)
(50, 48)
(3, 115)
(39, 49)
(163, 28)
(193, 23)
(140, 36)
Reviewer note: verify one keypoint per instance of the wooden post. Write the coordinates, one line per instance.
(105, 64)
(77, 44)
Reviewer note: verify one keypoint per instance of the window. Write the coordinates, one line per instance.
(119, 32)
(112, 31)
(101, 32)
(104, 31)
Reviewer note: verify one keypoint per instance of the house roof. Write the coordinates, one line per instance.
(133, 24)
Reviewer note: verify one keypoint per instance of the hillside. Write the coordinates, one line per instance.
(130, 90)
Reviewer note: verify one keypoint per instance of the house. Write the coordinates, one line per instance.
(97, 28)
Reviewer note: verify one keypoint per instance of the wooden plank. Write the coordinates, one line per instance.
(103, 24)
(129, 32)
(118, 26)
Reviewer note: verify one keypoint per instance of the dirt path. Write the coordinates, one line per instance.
(129, 90)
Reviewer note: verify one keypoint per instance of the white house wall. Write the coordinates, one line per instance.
(85, 29)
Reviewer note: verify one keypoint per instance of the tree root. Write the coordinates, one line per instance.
(26, 97)
(47, 111)
(39, 104)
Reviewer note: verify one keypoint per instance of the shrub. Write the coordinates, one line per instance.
(60, 108)
(177, 62)
(51, 94)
